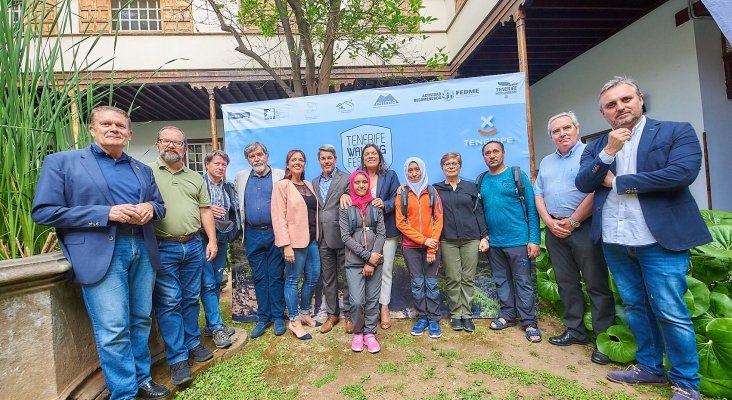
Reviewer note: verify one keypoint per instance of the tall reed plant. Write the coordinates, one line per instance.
(44, 98)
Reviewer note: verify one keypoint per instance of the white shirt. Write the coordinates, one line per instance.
(622, 218)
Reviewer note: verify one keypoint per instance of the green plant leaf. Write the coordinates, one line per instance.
(587, 320)
(716, 388)
(709, 267)
(700, 323)
(700, 293)
(719, 332)
(547, 285)
(716, 217)
(620, 314)
(543, 262)
(617, 343)
(720, 305)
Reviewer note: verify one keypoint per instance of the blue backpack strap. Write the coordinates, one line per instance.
(352, 219)
(520, 189)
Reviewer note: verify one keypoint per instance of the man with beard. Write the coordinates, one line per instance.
(265, 259)
(178, 282)
(647, 220)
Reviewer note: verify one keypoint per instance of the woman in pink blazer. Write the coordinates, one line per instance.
(295, 224)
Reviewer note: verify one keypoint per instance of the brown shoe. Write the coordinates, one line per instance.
(349, 325)
(329, 323)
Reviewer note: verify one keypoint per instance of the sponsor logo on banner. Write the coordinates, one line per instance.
(311, 110)
(345, 106)
(487, 128)
(238, 115)
(505, 88)
(385, 101)
(353, 140)
(274, 113)
(447, 95)
(467, 92)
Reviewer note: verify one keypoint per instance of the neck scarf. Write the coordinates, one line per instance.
(360, 201)
(417, 187)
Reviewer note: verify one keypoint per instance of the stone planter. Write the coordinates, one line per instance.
(47, 348)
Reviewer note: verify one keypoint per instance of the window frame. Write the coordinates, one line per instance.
(136, 8)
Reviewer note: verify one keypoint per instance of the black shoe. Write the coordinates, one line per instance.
(468, 325)
(180, 373)
(200, 353)
(456, 324)
(152, 390)
(566, 339)
(599, 358)
(221, 339)
(227, 329)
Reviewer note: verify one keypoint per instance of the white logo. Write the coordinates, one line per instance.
(345, 106)
(353, 140)
(384, 101)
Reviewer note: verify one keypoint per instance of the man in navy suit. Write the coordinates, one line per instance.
(102, 203)
(647, 220)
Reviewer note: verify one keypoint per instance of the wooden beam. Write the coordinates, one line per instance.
(524, 67)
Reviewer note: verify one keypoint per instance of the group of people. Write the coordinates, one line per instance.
(143, 238)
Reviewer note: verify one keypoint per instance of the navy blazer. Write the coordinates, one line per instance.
(386, 189)
(669, 159)
(73, 197)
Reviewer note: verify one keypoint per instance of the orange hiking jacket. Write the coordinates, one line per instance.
(421, 222)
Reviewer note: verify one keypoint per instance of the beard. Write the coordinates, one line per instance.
(170, 157)
(258, 169)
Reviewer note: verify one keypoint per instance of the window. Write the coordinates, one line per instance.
(197, 150)
(136, 15)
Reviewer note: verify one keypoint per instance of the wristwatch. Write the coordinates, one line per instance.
(573, 223)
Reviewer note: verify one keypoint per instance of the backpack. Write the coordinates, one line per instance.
(374, 213)
(520, 188)
(403, 196)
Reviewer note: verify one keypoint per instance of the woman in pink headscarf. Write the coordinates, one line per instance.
(363, 232)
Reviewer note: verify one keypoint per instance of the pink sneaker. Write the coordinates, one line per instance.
(371, 343)
(357, 342)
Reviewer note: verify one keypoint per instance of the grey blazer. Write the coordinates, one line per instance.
(240, 182)
(330, 230)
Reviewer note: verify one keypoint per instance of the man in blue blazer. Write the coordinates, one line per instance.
(102, 203)
(647, 220)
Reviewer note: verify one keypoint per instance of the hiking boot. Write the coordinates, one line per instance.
(435, 330)
(636, 376)
(200, 353)
(456, 324)
(227, 329)
(357, 342)
(221, 339)
(468, 325)
(371, 343)
(419, 327)
(684, 394)
(180, 373)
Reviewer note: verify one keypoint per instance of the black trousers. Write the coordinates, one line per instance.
(573, 258)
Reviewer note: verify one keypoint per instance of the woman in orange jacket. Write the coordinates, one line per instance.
(419, 219)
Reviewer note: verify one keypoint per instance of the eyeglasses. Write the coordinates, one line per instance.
(451, 165)
(175, 143)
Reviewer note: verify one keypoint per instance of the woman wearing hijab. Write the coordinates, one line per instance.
(295, 225)
(464, 233)
(363, 233)
(419, 219)
(384, 185)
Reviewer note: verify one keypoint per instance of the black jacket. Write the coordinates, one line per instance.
(463, 216)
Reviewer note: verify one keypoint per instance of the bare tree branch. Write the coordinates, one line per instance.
(292, 47)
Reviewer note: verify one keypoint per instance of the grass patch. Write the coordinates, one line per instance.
(402, 339)
(328, 378)
(428, 373)
(441, 395)
(475, 392)
(572, 368)
(392, 368)
(449, 355)
(354, 392)
(534, 353)
(416, 357)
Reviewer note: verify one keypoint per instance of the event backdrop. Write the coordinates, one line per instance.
(424, 120)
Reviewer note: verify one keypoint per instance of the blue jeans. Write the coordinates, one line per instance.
(119, 307)
(211, 279)
(651, 281)
(307, 260)
(267, 265)
(177, 288)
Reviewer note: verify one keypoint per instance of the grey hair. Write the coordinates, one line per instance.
(118, 110)
(569, 114)
(213, 153)
(253, 146)
(329, 148)
(175, 128)
(619, 80)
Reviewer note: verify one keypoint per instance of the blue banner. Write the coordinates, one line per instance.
(423, 120)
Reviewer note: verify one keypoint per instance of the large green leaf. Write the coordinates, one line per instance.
(587, 320)
(543, 262)
(700, 293)
(708, 267)
(701, 322)
(716, 217)
(719, 332)
(547, 285)
(720, 247)
(617, 343)
(720, 305)
(716, 388)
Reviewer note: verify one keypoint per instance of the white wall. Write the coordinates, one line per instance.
(659, 55)
(142, 145)
(717, 111)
